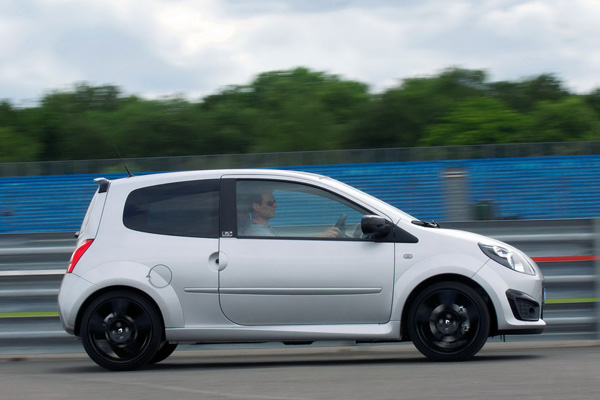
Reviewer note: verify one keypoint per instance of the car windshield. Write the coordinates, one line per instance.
(372, 200)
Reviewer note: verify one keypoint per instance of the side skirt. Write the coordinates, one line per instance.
(278, 333)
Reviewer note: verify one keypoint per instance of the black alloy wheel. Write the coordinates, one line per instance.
(448, 321)
(121, 330)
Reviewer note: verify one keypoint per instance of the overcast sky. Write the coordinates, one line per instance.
(156, 48)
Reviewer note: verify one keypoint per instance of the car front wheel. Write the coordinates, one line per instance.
(448, 321)
(121, 330)
(165, 350)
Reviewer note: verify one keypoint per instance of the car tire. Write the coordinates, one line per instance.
(448, 321)
(121, 330)
(163, 352)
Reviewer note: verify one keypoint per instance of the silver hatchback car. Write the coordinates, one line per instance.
(263, 255)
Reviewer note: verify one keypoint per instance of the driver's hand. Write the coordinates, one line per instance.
(332, 232)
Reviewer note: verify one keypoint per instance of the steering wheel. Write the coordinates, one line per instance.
(341, 224)
(358, 233)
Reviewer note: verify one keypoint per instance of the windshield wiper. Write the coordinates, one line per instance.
(427, 224)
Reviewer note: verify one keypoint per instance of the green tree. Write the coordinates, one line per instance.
(8, 115)
(479, 121)
(305, 110)
(593, 100)
(299, 109)
(564, 120)
(96, 98)
(523, 95)
(68, 130)
(287, 111)
(16, 147)
(143, 128)
(400, 116)
(229, 127)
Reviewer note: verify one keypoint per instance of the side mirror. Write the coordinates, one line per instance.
(375, 226)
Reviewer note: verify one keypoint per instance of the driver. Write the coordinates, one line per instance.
(262, 207)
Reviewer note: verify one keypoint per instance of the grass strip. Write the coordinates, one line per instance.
(571, 301)
(29, 314)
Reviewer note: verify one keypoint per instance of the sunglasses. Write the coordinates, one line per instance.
(270, 202)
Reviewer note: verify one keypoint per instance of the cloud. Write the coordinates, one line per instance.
(162, 47)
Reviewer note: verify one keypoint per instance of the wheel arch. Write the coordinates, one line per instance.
(109, 289)
(131, 276)
(447, 278)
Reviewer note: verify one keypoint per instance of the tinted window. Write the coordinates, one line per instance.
(179, 209)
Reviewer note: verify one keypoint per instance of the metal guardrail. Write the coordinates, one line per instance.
(320, 157)
(32, 266)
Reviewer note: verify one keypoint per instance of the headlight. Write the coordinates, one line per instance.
(508, 258)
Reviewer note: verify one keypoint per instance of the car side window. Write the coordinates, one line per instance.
(284, 209)
(177, 209)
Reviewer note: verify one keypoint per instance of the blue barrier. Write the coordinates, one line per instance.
(518, 188)
(54, 203)
(538, 188)
(523, 188)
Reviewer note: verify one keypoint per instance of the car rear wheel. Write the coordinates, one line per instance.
(121, 331)
(448, 321)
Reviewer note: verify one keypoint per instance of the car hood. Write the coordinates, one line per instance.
(471, 237)
(476, 239)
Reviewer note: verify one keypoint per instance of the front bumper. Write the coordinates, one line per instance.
(517, 298)
(523, 306)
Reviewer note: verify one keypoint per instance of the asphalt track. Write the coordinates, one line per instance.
(524, 370)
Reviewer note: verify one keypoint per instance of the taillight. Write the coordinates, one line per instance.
(78, 253)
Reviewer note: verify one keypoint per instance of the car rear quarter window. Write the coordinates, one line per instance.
(176, 209)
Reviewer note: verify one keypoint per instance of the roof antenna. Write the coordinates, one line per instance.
(121, 158)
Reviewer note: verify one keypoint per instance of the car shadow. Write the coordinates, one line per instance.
(251, 362)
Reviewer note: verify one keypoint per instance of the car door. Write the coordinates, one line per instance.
(291, 272)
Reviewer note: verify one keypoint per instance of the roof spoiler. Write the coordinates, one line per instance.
(103, 184)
